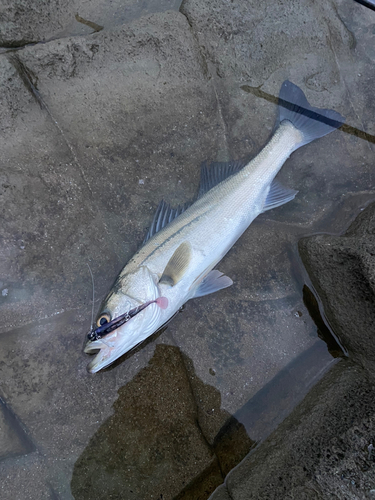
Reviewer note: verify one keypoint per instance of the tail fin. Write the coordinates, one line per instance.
(311, 122)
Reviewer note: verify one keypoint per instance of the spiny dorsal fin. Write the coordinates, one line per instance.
(177, 265)
(278, 195)
(164, 215)
(211, 175)
(214, 173)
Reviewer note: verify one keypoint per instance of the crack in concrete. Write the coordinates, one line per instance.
(210, 76)
(27, 77)
(353, 40)
(224, 126)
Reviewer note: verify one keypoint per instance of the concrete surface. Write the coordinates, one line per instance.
(97, 128)
(26, 22)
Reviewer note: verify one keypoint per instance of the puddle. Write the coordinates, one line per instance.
(153, 445)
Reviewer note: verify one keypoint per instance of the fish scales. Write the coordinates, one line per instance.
(234, 203)
(177, 263)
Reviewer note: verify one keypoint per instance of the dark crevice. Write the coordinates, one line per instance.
(20, 44)
(203, 59)
(209, 76)
(230, 445)
(28, 78)
(324, 332)
(6, 48)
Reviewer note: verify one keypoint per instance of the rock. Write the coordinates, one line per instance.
(342, 270)
(250, 48)
(53, 162)
(320, 450)
(152, 445)
(221, 493)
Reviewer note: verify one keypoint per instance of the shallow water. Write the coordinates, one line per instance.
(110, 123)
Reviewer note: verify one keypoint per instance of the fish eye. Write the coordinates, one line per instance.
(103, 319)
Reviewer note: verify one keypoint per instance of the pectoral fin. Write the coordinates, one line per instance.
(214, 281)
(177, 265)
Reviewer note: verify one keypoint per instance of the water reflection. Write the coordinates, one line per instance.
(159, 443)
(274, 402)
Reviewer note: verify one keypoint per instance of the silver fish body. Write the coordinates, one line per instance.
(178, 261)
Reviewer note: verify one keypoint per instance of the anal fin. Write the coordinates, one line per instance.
(213, 282)
(278, 195)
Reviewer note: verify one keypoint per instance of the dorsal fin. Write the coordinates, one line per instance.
(164, 215)
(211, 175)
(214, 173)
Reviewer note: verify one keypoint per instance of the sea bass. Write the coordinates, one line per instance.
(183, 245)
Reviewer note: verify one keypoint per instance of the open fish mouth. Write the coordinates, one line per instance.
(104, 355)
(93, 347)
(104, 351)
(95, 365)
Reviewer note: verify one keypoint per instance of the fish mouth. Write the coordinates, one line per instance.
(103, 351)
(93, 367)
(92, 347)
(98, 363)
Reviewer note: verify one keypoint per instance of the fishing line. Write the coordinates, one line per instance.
(93, 296)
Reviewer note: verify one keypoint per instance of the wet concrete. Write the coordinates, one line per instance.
(95, 130)
(153, 446)
(13, 438)
(42, 21)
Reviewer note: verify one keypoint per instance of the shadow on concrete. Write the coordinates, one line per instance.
(13, 438)
(153, 445)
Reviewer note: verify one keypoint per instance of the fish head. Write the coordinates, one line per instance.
(130, 291)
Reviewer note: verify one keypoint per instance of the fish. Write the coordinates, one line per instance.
(183, 246)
